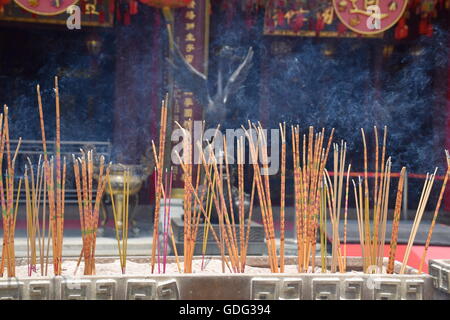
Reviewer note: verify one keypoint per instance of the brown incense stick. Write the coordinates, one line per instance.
(160, 164)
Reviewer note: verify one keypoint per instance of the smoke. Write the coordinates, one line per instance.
(347, 84)
(85, 83)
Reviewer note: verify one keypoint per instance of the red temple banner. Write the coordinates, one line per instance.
(191, 35)
(93, 12)
(309, 18)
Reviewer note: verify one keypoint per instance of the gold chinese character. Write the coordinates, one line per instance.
(368, 3)
(188, 102)
(189, 26)
(365, 11)
(190, 47)
(393, 6)
(189, 37)
(290, 14)
(191, 5)
(91, 8)
(188, 113)
(189, 58)
(186, 124)
(327, 15)
(35, 3)
(190, 15)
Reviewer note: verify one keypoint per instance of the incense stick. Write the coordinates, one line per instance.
(283, 193)
(395, 223)
(89, 215)
(9, 213)
(55, 196)
(159, 164)
(419, 213)
(116, 227)
(436, 212)
(316, 194)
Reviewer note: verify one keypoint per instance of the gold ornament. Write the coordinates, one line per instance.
(342, 5)
(393, 6)
(33, 3)
(354, 21)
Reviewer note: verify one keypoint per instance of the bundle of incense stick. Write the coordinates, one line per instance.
(263, 189)
(334, 192)
(167, 194)
(33, 195)
(166, 191)
(314, 198)
(216, 194)
(89, 215)
(9, 212)
(372, 233)
(192, 209)
(428, 185)
(121, 218)
(308, 189)
(159, 174)
(316, 194)
(233, 237)
(436, 212)
(55, 195)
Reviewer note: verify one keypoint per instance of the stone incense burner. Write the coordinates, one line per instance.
(256, 283)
